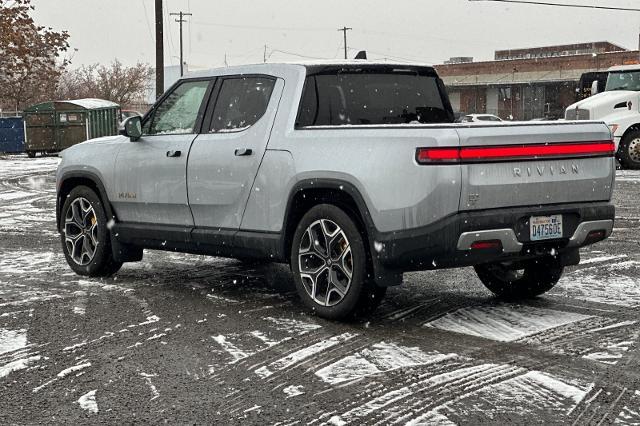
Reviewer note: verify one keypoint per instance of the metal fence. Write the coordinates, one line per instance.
(5, 114)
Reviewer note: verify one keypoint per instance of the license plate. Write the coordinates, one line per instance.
(545, 227)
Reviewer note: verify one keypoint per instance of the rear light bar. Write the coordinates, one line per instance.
(479, 154)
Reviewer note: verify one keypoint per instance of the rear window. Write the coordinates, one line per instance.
(357, 97)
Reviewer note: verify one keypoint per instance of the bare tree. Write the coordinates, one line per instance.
(31, 55)
(114, 82)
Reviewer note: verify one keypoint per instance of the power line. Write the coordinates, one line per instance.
(580, 6)
(146, 20)
(260, 27)
(292, 54)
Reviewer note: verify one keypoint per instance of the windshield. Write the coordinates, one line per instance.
(629, 80)
(373, 97)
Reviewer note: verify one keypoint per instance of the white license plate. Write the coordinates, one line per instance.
(545, 227)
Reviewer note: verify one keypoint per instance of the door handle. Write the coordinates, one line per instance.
(240, 152)
(174, 153)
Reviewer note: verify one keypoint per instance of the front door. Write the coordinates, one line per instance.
(225, 158)
(150, 174)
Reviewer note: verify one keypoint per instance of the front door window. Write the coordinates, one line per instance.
(178, 112)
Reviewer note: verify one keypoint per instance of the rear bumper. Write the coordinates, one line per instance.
(447, 243)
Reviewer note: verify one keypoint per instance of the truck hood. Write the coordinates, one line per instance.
(86, 145)
(603, 103)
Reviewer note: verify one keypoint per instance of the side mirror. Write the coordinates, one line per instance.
(133, 128)
(594, 88)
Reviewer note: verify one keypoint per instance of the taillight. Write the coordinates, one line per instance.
(595, 236)
(475, 154)
(487, 245)
(437, 155)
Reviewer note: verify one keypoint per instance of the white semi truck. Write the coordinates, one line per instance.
(619, 107)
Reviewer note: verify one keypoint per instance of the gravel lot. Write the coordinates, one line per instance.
(191, 339)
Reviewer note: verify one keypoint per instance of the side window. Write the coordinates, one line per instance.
(241, 103)
(178, 112)
(308, 111)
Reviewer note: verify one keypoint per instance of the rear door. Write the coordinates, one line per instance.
(150, 174)
(516, 165)
(224, 159)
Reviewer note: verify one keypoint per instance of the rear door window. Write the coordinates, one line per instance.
(241, 102)
(373, 97)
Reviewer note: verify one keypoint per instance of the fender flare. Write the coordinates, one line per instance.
(382, 276)
(102, 193)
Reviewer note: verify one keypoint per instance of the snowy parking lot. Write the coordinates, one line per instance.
(193, 339)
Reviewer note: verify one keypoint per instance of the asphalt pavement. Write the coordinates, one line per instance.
(187, 339)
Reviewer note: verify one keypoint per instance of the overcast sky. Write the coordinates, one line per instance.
(426, 31)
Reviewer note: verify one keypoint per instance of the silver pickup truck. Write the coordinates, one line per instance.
(352, 173)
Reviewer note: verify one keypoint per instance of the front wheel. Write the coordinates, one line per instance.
(330, 265)
(523, 281)
(85, 238)
(629, 150)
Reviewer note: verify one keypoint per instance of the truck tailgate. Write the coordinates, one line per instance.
(535, 164)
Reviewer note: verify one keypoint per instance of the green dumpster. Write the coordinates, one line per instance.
(56, 125)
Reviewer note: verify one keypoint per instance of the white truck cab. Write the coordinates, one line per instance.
(619, 107)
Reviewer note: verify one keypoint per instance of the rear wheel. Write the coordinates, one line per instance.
(330, 265)
(31, 154)
(85, 238)
(629, 150)
(522, 281)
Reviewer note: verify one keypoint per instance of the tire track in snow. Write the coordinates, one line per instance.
(600, 339)
(431, 389)
(302, 355)
(630, 413)
(532, 393)
(275, 331)
(503, 322)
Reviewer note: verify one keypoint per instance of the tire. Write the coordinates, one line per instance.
(340, 297)
(524, 281)
(629, 150)
(31, 154)
(84, 235)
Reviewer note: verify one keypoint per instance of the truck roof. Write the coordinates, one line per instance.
(625, 68)
(250, 68)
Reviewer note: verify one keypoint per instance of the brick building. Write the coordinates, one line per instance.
(529, 83)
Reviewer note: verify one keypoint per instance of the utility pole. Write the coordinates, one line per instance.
(181, 20)
(264, 55)
(344, 31)
(159, 51)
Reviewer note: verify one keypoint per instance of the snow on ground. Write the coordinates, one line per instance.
(381, 357)
(12, 340)
(608, 283)
(88, 402)
(630, 414)
(532, 393)
(505, 322)
(303, 354)
(628, 176)
(440, 349)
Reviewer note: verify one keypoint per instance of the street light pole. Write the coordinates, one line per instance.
(181, 20)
